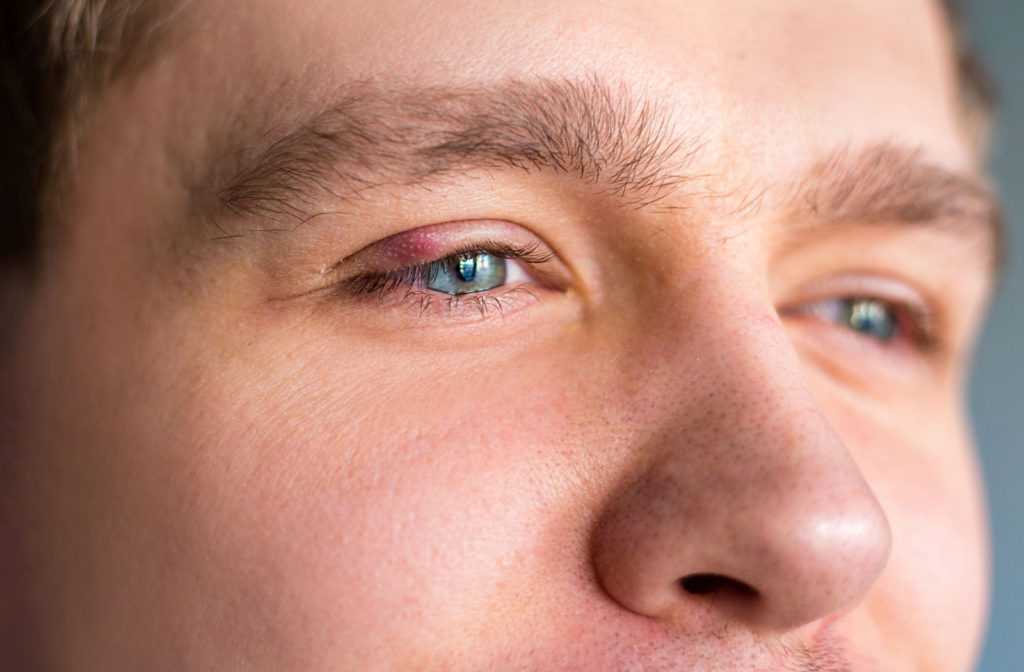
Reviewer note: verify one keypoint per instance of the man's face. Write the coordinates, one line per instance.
(509, 336)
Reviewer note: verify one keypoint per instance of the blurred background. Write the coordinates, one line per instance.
(997, 388)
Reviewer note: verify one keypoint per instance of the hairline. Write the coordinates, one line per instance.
(81, 48)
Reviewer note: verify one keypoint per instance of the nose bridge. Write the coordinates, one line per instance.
(752, 410)
(747, 491)
(737, 376)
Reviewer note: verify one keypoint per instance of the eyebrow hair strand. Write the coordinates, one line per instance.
(893, 184)
(375, 136)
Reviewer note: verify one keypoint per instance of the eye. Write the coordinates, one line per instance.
(458, 272)
(868, 317)
(467, 273)
(889, 323)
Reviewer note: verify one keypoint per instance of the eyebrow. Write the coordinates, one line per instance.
(375, 136)
(605, 135)
(888, 183)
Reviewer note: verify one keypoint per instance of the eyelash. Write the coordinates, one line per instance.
(385, 283)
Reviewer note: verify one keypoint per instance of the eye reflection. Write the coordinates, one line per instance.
(869, 317)
(467, 273)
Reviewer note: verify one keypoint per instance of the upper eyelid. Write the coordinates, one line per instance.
(861, 284)
(526, 254)
(431, 242)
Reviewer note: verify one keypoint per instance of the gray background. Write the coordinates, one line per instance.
(997, 389)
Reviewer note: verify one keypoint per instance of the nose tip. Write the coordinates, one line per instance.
(670, 552)
(740, 502)
(818, 562)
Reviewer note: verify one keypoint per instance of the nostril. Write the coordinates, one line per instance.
(703, 584)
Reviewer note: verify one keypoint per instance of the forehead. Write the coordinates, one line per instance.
(737, 71)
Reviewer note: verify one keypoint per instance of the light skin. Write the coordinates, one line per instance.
(712, 420)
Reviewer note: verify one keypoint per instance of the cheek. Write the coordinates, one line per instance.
(374, 503)
(936, 580)
(932, 597)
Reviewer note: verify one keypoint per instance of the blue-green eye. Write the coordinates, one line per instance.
(466, 273)
(868, 317)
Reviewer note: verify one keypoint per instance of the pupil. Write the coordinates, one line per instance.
(467, 267)
(872, 317)
(466, 273)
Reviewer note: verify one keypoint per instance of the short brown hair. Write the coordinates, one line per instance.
(57, 54)
(54, 55)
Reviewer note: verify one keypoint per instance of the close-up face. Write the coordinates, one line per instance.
(527, 335)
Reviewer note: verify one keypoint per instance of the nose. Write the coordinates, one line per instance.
(744, 505)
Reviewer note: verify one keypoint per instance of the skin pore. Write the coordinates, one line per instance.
(707, 416)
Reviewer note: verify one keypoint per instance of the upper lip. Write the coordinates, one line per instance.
(820, 648)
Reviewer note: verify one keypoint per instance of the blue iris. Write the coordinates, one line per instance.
(869, 317)
(466, 273)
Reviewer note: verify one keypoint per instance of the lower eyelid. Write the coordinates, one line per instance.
(472, 307)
